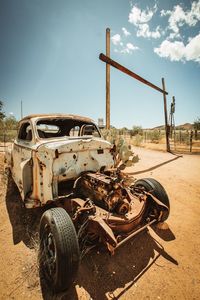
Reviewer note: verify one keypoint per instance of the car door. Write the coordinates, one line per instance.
(22, 159)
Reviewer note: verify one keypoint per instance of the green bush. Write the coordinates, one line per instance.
(8, 135)
(137, 140)
(136, 130)
(155, 136)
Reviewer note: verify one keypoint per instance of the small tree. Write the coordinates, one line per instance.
(2, 115)
(197, 124)
(196, 127)
(136, 130)
(123, 131)
(10, 123)
(155, 136)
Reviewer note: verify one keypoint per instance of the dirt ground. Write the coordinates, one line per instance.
(157, 264)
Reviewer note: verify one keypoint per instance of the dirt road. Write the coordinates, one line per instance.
(156, 264)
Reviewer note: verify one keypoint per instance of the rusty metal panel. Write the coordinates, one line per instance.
(39, 165)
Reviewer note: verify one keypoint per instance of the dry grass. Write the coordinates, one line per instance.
(30, 271)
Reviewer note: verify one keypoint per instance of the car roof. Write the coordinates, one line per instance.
(52, 116)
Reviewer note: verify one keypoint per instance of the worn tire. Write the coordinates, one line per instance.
(59, 249)
(159, 192)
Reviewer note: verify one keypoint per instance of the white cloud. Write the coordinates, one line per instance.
(192, 49)
(125, 31)
(177, 51)
(178, 17)
(116, 39)
(173, 35)
(146, 33)
(193, 16)
(165, 12)
(137, 16)
(129, 48)
(172, 50)
(140, 18)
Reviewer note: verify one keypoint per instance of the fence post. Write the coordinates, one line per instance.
(180, 136)
(191, 136)
(4, 141)
(174, 139)
(195, 134)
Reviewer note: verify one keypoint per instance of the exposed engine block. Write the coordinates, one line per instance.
(105, 191)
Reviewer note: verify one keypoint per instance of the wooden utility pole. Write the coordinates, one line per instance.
(165, 113)
(108, 80)
(21, 109)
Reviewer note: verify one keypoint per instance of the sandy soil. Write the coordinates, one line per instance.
(157, 264)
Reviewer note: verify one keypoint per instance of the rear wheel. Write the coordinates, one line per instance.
(59, 249)
(156, 189)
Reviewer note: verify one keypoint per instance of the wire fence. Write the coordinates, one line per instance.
(185, 141)
(180, 140)
(6, 137)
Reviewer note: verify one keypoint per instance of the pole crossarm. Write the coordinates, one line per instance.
(116, 65)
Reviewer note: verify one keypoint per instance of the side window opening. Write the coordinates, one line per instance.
(89, 129)
(25, 132)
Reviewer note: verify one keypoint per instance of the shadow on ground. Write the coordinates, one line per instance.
(166, 235)
(100, 274)
(103, 276)
(154, 167)
(25, 222)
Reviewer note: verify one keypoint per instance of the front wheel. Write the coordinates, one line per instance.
(157, 190)
(59, 249)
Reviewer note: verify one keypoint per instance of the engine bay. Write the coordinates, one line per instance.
(110, 193)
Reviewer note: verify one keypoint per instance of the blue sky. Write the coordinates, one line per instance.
(49, 58)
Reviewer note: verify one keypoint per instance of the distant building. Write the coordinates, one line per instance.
(101, 123)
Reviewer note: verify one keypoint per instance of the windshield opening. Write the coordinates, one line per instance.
(51, 128)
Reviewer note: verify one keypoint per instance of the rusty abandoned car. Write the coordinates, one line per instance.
(63, 160)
